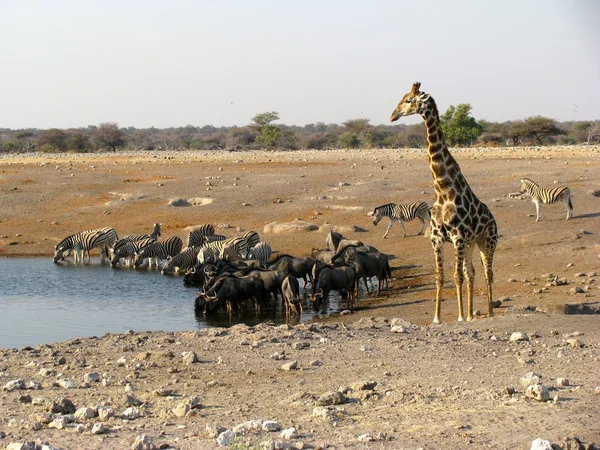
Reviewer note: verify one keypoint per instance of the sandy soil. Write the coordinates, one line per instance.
(437, 386)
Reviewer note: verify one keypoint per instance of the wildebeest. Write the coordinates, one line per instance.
(329, 278)
(332, 240)
(367, 265)
(300, 267)
(323, 256)
(272, 280)
(231, 291)
(290, 290)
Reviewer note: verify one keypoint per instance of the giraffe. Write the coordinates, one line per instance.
(458, 215)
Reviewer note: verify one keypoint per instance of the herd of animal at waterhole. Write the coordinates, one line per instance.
(233, 272)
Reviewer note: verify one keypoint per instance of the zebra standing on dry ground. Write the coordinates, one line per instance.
(402, 213)
(81, 243)
(540, 195)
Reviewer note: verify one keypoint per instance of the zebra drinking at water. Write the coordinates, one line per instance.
(261, 252)
(128, 251)
(158, 251)
(540, 195)
(402, 213)
(134, 238)
(252, 238)
(81, 243)
(181, 262)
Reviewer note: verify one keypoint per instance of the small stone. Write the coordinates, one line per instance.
(84, 413)
(364, 386)
(143, 442)
(14, 385)
(271, 425)
(105, 413)
(91, 377)
(213, 430)
(46, 372)
(131, 413)
(365, 438)
(98, 428)
(530, 378)
(541, 444)
(190, 357)
(331, 398)
(181, 409)
(67, 384)
(289, 433)
(163, 392)
(226, 438)
(21, 446)
(562, 382)
(538, 392)
(518, 336)
(292, 365)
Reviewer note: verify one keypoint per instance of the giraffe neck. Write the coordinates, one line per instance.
(448, 180)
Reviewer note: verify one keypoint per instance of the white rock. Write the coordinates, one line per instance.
(59, 423)
(292, 365)
(226, 438)
(46, 372)
(131, 413)
(190, 357)
(246, 427)
(399, 329)
(541, 444)
(105, 413)
(84, 413)
(365, 438)
(14, 385)
(98, 428)
(289, 433)
(181, 409)
(143, 442)
(21, 446)
(562, 382)
(530, 378)
(67, 384)
(518, 336)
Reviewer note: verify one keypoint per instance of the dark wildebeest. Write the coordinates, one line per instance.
(296, 266)
(231, 290)
(290, 289)
(272, 280)
(367, 265)
(328, 279)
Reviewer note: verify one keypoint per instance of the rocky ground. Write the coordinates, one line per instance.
(367, 379)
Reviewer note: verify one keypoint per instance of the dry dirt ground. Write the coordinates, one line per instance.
(437, 386)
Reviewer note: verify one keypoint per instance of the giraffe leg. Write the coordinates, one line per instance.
(487, 257)
(469, 272)
(437, 241)
(537, 211)
(388, 228)
(459, 257)
(403, 229)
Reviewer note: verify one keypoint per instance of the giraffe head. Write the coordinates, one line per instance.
(411, 103)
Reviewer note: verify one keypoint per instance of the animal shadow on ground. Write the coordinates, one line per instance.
(586, 216)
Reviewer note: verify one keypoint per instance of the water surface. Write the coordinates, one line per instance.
(43, 302)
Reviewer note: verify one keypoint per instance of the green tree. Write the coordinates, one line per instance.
(268, 133)
(539, 128)
(458, 126)
(108, 134)
(349, 139)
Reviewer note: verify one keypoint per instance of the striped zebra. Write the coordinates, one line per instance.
(207, 254)
(540, 195)
(181, 262)
(231, 248)
(196, 237)
(252, 238)
(158, 251)
(135, 237)
(127, 251)
(81, 243)
(261, 252)
(402, 213)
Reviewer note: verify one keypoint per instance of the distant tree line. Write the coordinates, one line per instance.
(460, 129)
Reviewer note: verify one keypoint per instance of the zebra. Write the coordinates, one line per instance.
(128, 250)
(230, 248)
(135, 237)
(158, 251)
(540, 195)
(207, 254)
(260, 252)
(182, 261)
(195, 238)
(252, 238)
(402, 213)
(81, 243)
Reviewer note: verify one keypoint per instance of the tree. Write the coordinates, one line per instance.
(540, 128)
(78, 141)
(349, 140)
(588, 132)
(458, 126)
(52, 140)
(108, 134)
(269, 133)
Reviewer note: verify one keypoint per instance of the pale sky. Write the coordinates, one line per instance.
(218, 62)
